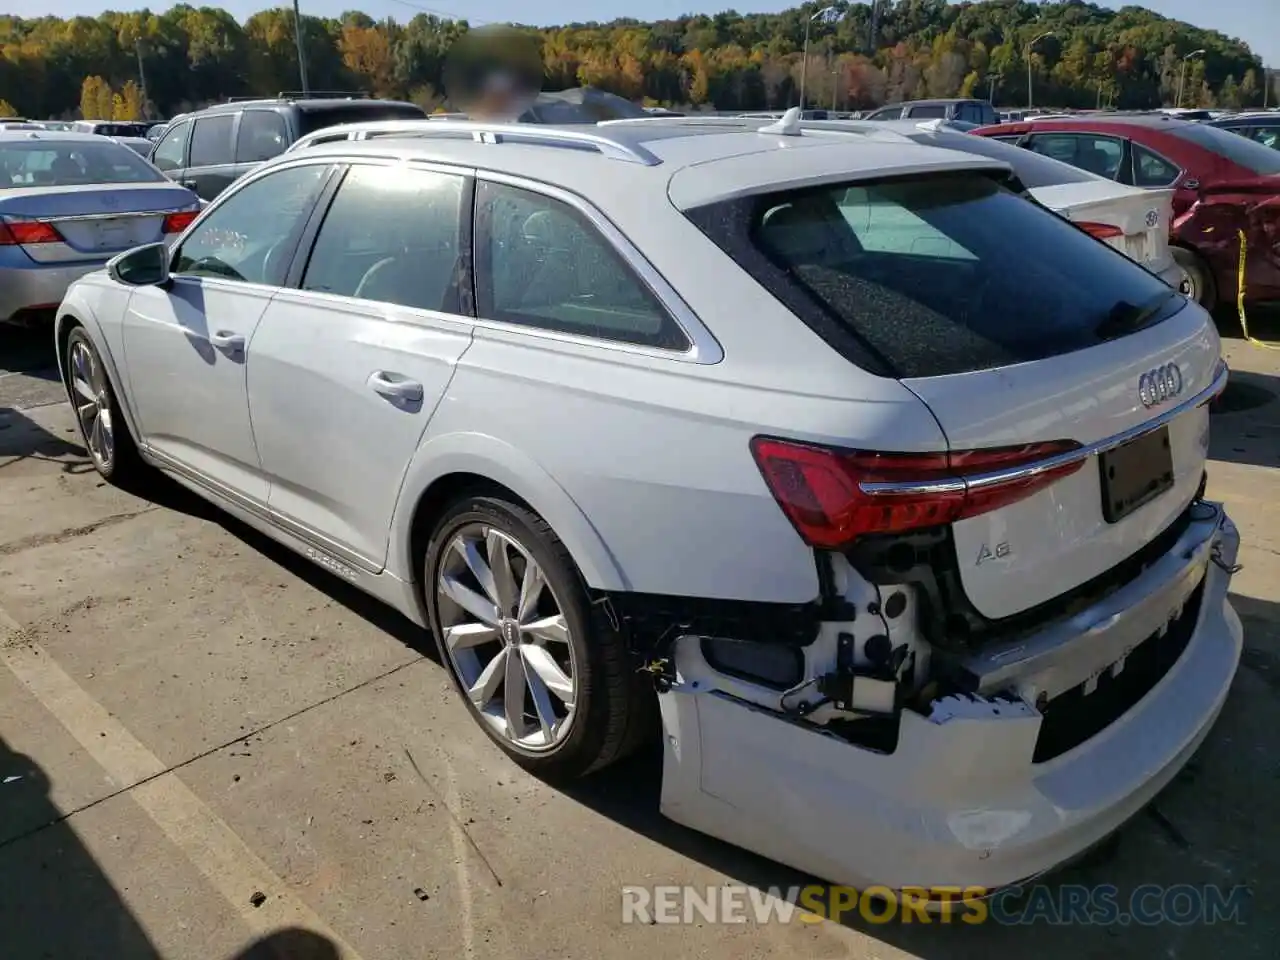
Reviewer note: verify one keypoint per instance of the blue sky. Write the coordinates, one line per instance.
(1256, 21)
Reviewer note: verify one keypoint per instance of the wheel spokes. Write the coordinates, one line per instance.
(486, 685)
(476, 605)
(466, 635)
(504, 581)
(543, 666)
(548, 629)
(513, 691)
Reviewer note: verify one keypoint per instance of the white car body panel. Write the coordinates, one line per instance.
(1058, 539)
(333, 449)
(639, 459)
(190, 396)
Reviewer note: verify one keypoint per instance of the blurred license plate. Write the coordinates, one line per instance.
(1135, 474)
(112, 234)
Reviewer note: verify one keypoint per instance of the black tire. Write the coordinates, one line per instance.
(124, 467)
(1203, 289)
(615, 704)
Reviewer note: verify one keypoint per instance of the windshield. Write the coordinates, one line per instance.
(46, 163)
(1250, 154)
(938, 275)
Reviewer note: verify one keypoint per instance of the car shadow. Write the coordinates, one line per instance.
(163, 491)
(55, 899)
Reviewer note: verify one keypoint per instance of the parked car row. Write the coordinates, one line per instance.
(881, 484)
(1222, 184)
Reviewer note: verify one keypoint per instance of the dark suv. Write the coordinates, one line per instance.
(209, 149)
(979, 112)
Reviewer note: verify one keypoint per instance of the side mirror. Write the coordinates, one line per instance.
(146, 266)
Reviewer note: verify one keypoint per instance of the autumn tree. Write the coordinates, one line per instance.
(96, 99)
(7, 109)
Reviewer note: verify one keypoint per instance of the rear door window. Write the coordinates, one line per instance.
(930, 111)
(211, 141)
(1097, 154)
(392, 235)
(935, 275)
(1267, 136)
(262, 135)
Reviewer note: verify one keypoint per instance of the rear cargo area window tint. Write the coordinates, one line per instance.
(933, 275)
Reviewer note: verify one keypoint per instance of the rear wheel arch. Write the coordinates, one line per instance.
(452, 467)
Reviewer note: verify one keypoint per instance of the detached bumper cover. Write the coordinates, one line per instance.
(960, 801)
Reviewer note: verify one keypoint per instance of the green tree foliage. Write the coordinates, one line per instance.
(1130, 58)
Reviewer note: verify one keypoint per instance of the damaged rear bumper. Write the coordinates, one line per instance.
(961, 801)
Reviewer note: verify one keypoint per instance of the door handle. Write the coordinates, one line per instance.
(395, 387)
(225, 340)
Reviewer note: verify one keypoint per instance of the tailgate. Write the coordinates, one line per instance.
(1038, 548)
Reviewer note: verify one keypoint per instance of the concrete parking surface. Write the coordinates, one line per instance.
(204, 739)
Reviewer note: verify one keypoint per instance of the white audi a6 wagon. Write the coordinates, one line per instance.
(883, 484)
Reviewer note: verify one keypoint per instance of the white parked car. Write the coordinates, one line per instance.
(1134, 220)
(908, 537)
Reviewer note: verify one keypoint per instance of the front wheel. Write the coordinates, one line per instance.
(1198, 282)
(102, 426)
(512, 621)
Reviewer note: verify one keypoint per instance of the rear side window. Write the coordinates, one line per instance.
(932, 111)
(1267, 136)
(262, 135)
(540, 263)
(1249, 154)
(211, 141)
(312, 120)
(934, 275)
(1151, 170)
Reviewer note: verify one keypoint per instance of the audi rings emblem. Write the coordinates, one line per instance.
(1158, 385)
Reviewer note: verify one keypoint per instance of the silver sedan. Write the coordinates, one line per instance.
(68, 203)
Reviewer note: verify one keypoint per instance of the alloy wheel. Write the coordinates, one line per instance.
(507, 638)
(93, 404)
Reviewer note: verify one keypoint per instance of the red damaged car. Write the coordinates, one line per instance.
(1223, 184)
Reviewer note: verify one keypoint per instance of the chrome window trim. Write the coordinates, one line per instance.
(703, 346)
(978, 481)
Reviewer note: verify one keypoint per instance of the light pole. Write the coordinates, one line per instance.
(302, 59)
(991, 87)
(826, 15)
(1030, 46)
(1182, 75)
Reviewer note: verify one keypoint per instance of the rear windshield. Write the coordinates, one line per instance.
(357, 112)
(1240, 150)
(936, 275)
(43, 163)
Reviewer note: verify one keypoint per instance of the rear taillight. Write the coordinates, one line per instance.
(177, 222)
(27, 232)
(833, 497)
(1103, 231)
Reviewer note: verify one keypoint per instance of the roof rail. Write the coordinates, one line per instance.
(766, 124)
(484, 132)
(322, 95)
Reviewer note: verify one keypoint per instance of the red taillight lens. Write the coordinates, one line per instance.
(1103, 231)
(832, 497)
(26, 232)
(177, 222)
